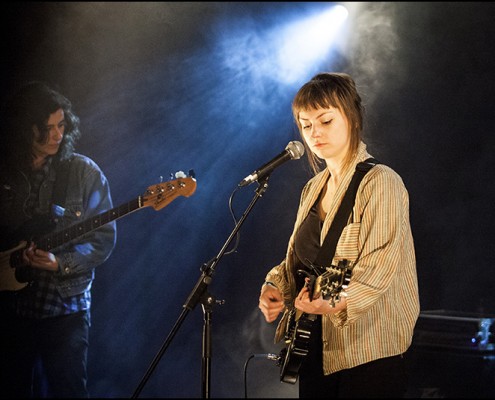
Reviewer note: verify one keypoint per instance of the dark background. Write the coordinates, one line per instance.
(162, 87)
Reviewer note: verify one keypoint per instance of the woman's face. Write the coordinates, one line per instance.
(326, 131)
(56, 128)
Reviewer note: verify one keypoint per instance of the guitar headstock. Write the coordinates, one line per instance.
(163, 193)
(331, 282)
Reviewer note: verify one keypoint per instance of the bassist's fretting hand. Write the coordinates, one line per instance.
(37, 258)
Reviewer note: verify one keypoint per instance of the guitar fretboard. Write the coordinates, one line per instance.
(56, 239)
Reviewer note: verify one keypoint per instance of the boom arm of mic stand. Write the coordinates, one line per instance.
(209, 268)
(198, 293)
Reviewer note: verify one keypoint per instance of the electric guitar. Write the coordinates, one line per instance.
(156, 196)
(299, 325)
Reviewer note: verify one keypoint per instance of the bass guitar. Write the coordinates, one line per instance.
(329, 285)
(157, 196)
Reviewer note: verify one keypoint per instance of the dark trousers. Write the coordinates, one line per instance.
(44, 358)
(382, 378)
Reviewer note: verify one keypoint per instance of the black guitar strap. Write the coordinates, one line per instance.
(327, 250)
(61, 182)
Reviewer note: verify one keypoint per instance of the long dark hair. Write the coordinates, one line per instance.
(31, 106)
(337, 90)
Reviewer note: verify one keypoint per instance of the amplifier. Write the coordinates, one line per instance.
(457, 331)
(452, 355)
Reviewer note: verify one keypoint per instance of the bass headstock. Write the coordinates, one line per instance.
(163, 193)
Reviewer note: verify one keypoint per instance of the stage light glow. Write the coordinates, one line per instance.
(286, 52)
(307, 42)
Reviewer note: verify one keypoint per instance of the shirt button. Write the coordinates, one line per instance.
(66, 269)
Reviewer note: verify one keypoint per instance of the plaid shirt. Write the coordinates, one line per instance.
(67, 291)
(45, 300)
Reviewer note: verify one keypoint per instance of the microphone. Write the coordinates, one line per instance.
(293, 151)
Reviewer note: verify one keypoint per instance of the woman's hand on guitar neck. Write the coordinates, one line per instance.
(40, 259)
(305, 303)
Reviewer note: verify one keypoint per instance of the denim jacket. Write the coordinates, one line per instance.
(87, 195)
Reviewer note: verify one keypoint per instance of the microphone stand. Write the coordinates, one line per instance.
(200, 294)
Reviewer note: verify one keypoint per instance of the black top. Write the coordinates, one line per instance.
(307, 243)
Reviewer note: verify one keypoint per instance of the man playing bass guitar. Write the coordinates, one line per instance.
(46, 317)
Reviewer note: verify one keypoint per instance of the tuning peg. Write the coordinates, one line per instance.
(180, 174)
(192, 174)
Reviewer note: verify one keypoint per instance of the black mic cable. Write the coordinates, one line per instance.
(267, 356)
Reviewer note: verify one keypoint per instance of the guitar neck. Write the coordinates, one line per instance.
(56, 239)
(156, 196)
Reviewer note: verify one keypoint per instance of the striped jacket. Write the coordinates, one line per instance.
(382, 295)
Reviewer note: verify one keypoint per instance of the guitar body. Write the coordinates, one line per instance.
(8, 280)
(298, 337)
(14, 275)
(299, 324)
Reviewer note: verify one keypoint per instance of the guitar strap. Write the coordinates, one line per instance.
(327, 250)
(60, 190)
